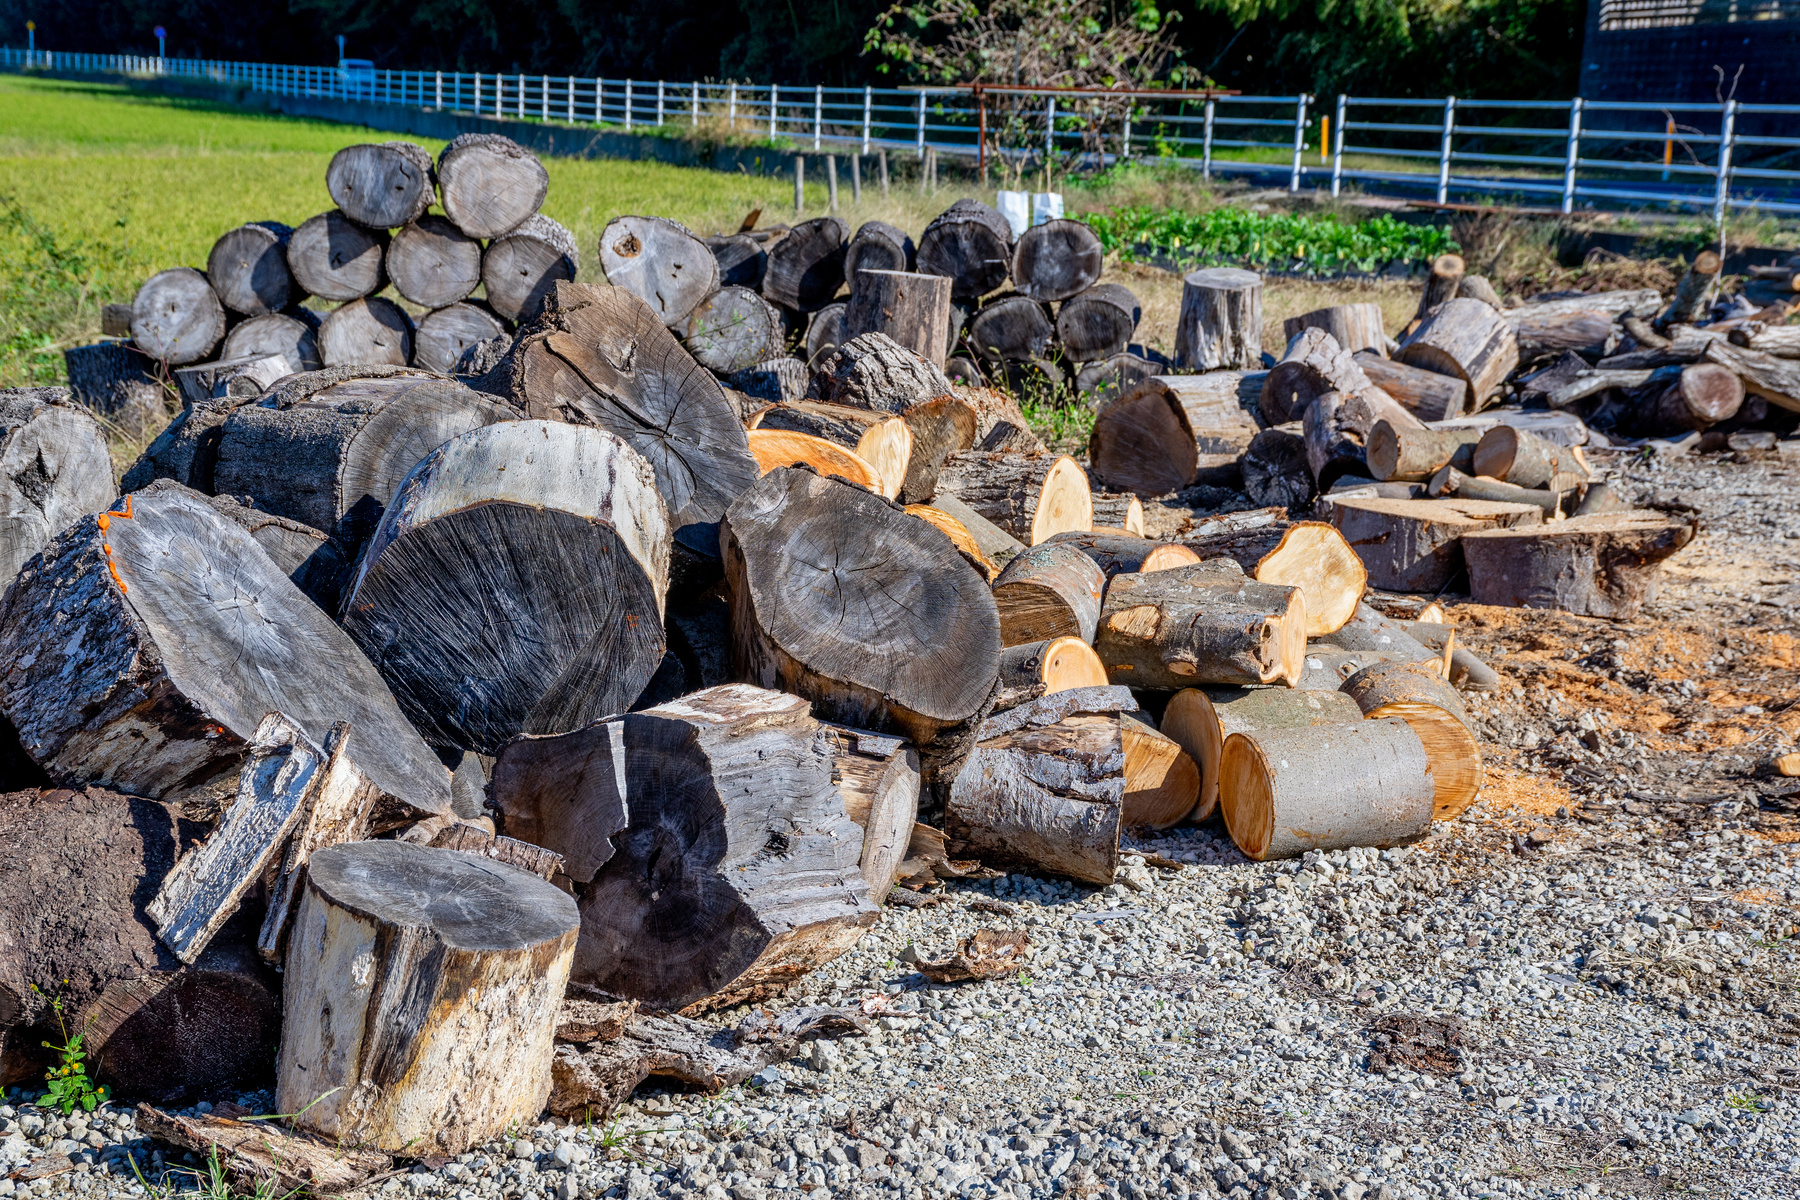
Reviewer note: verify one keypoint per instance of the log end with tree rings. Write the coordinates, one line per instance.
(445, 335)
(1162, 783)
(1048, 592)
(1315, 558)
(1466, 339)
(1142, 443)
(1220, 326)
(1276, 471)
(372, 331)
(1045, 668)
(1606, 565)
(1286, 791)
(1396, 452)
(1117, 553)
(433, 263)
(1056, 260)
(276, 333)
(878, 246)
(774, 448)
(1203, 624)
(176, 317)
(806, 267)
(421, 994)
(1706, 394)
(971, 244)
(1517, 456)
(1200, 719)
(1011, 329)
(732, 329)
(824, 331)
(959, 536)
(521, 269)
(660, 262)
(1418, 695)
(1034, 498)
(1117, 373)
(381, 185)
(248, 269)
(779, 380)
(334, 258)
(60, 472)
(490, 183)
(1099, 323)
(741, 258)
(1120, 511)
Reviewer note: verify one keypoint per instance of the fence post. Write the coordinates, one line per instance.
(440, 90)
(659, 102)
(818, 114)
(921, 126)
(1443, 188)
(868, 107)
(774, 110)
(543, 97)
(731, 107)
(1299, 139)
(1727, 138)
(1125, 134)
(1337, 143)
(571, 83)
(1049, 130)
(628, 106)
(694, 104)
(1206, 142)
(1572, 155)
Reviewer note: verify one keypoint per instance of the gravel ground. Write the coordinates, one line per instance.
(1589, 984)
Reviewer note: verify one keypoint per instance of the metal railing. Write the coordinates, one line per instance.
(1569, 153)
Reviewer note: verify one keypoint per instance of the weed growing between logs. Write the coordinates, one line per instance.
(68, 1085)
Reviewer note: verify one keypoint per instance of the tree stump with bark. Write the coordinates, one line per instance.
(1034, 498)
(660, 262)
(491, 185)
(334, 258)
(1200, 719)
(248, 269)
(912, 310)
(1049, 591)
(1416, 545)
(382, 185)
(1220, 326)
(176, 317)
(1606, 565)
(433, 263)
(1201, 624)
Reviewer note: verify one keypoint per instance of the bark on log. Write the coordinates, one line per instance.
(1704, 395)
(382, 185)
(1370, 632)
(337, 809)
(444, 336)
(1057, 260)
(117, 381)
(1162, 784)
(1099, 323)
(913, 310)
(878, 246)
(1150, 440)
(334, 258)
(265, 1157)
(1327, 666)
(1422, 698)
(433, 263)
(1220, 326)
(248, 269)
(1334, 449)
(1201, 624)
(875, 372)
(1467, 671)
(246, 377)
(491, 185)
(998, 545)
(187, 451)
(1415, 545)
(774, 448)
(1441, 285)
(176, 317)
(732, 329)
(367, 332)
(1686, 305)
(878, 778)
(54, 470)
(806, 267)
(1312, 365)
(516, 584)
(1120, 511)
(1037, 669)
(1404, 453)
(1032, 498)
(1011, 329)
(663, 264)
(1308, 555)
(1355, 327)
(971, 244)
(1200, 719)
(1776, 380)
(1126, 554)
(884, 442)
(741, 258)
(290, 338)
(773, 381)
(1049, 591)
(420, 997)
(825, 331)
(1607, 565)
(1468, 340)
(1450, 481)
(1477, 287)
(1427, 395)
(1287, 791)
(669, 822)
(940, 427)
(1276, 471)
(521, 270)
(1516, 456)
(1540, 335)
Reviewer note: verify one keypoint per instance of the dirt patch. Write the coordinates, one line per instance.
(1432, 1045)
(1508, 791)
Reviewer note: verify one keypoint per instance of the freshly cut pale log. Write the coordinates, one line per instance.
(663, 264)
(1468, 340)
(54, 470)
(878, 778)
(246, 377)
(1467, 671)
(1441, 286)
(1355, 327)
(875, 372)
(420, 997)
(1034, 498)
(434, 263)
(1689, 300)
(1048, 592)
(334, 258)
(1589, 334)
(1162, 784)
(1098, 323)
(970, 244)
(264, 1156)
(878, 246)
(773, 381)
(444, 336)
(1370, 632)
(248, 269)
(806, 267)
(1221, 321)
(1200, 719)
(1415, 545)
(892, 631)
(1126, 553)
(1308, 555)
(913, 310)
(1606, 565)
(1427, 395)
(1312, 365)
(1149, 441)
(997, 544)
(1119, 510)
(1057, 260)
(1201, 624)
(367, 332)
(1011, 329)
(1422, 698)
(176, 317)
(516, 584)
(1704, 395)
(960, 537)
(1477, 287)
(381, 184)
(337, 809)
(825, 330)
(1776, 380)
(940, 427)
(774, 448)
(1044, 668)
(669, 820)
(1417, 454)
(741, 258)
(1514, 455)
(1286, 791)
(732, 329)
(170, 602)
(883, 442)
(289, 338)
(490, 183)
(1276, 471)
(522, 269)
(1450, 481)
(1327, 667)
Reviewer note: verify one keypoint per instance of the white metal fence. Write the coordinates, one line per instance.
(1568, 153)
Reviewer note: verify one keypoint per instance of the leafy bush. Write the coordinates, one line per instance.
(1323, 244)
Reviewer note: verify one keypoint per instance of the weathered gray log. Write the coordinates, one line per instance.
(1427, 395)
(1047, 592)
(1312, 365)
(118, 381)
(187, 451)
(1451, 482)
(382, 185)
(1011, 329)
(290, 337)
(741, 258)
(1606, 565)
(912, 310)
(1044, 668)
(1370, 632)
(369, 332)
(1032, 497)
(1355, 327)
(434, 263)
(337, 809)
(1415, 545)
(806, 267)
(878, 246)
(1099, 323)
(54, 470)
(521, 269)
(1119, 510)
(176, 317)
(1776, 380)
(732, 329)
(1540, 335)
(1220, 326)
(1151, 439)
(1686, 305)
(660, 262)
(1702, 396)
(875, 372)
(444, 336)
(1466, 339)
(490, 183)
(334, 258)
(1518, 456)
(1276, 471)
(1126, 554)
(825, 331)
(972, 245)
(1425, 700)
(258, 1155)
(247, 377)
(1200, 719)
(1056, 260)
(1441, 285)
(1477, 287)
(248, 269)
(1200, 624)
(1405, 453)
(773, 381)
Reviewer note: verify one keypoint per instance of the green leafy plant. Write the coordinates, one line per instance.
(67, 1083)
(1308, 244)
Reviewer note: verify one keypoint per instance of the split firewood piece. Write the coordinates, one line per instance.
(1049, 591)
(666, 820)
(1057, 260)
(1370, 632)
(784, 448)
(879, 246)
(54, 469)
(176, 317)
(1162, 783)
(878, 778)
(264, 1155)
(420, 997)
(999, 546)
(1312, 365)
(1404, 453)
(912, 310)
(1517, 456)
(1044, 668)
(882, 441)
(1286, 791)
(892, 631)
(1468, 340)
(732, 329)
(441, 338)
(1119, 511)
(1220, 326)
(824, 330)
(1355, 327)
(1425, 700)
(490, 183)
(1689, 300)
(781, 380)
(369, 331)
(291, 339)
(985, 954)
(1415, 545)
(1452, 482)
(434, 263)
(316, 562)
(1200, 719)
(1276, 471)
(1327, 666)
(1468, 672)
(1126, 554)
(1099, 323)
(1149, 441)
(563, 628)
(959, 536)
(471, 839)
(875, 372)
(806, 267)
(334, 258)
(660, 262)
(1034, 498)
(1441, 286)
(382, 185)
(1703, 395)
(1309, 555)
(179, 606)
(1776, 380)
(523, 268)
(1427, 395)
(248, 269)
(972, 245)
(1201, 624)
(1607, 565)
(942, 426)
(1011, 329)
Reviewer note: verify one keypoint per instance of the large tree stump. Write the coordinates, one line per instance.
(176, 317)
(149, 643)
(444, 336)
(1011, 329)
(660, 262)
(1044, 668)
(1220, 326)
(522, 269)
(1313, 364)
(1151, 440)
(878, 778)
(1099, 323)
(1416, 545)
(1418, 695)
(912, 310)
(516, 584)
(806, 266)
(875, 372)
(1034, 498)
(1126, 554)
(732, 329)
(884, 442)
(1468, 340)
(434, 263)
(54, 470)
(972, 245)
(1200, 719)
(382, 185)
(290, 338)
(248, 269)
(1201, 624)
(1355, 327)
(420, 997)
(1308, 555)
(1049, 591)
(491, 185)
(334, 258)
(1162, 784)
(1057, 260)
(365, 333)
(709, 846)
(878, 246)
(1606, 565)
(1427, 395)
(1404, 453)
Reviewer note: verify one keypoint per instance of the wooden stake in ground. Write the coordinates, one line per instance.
(806, 267)
(444, 336)
(334, 258)
(785, 448)
(1126, 554)
(1162, 784)
(420, 997)
(176, 317)
(1043, 668)
(54, 469)
(1308, 555)
(434, 263)
(1049, 591)
(1220, 326)
(1312, 365)
(1516, 456)
(521, 269)
(970, 244)
(1416, 545)
(490, 183)
(1405, 453)
(1607, 565)
(381, 185)
(660, 262)
(1355, 327)
(878, 778)
(1200, 719)
(1200, 624)
(1056, 260)
(1468, 340)
(1150, 440)
(1418, 695)
(1099, 323)
(367, 332)
(913, 310)
(1032, 498)
(248, 269)
(1427, 395)
(732, 329)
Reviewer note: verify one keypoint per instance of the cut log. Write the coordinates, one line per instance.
(1162, 784)
(1012, 329)
(1126, 554)
(1334, 449)
(1119, 510)
(314, 561)
(1607, 565)
(773, 381)
(1477, 287)
(1689, 300)
(444, 336)
(490, 183)
(1312, 365)
(1516, 456)
(1286, 791)
(516, 584)
(176, 317)
(420, 1013)
(367, 332)
(999, 546)
(1044, 668)
(117, 381)
(245, 377)
(663, 264)
(1276, 471)
(187, 451)
(1415, 545)
(1368, 632)
(1220, 325)
(993, 408)
(290, 338)
(825, 331)
(522, 269)
(774, 448)
(707, 843)
(1441, 286)
(1468, 340)
(878, 246)
(1355, 327)
(1048, 592)
(732, 329)
(1427, 395)
(878, 778)
(471, 839)
(940, 427)
(1034, 498)
(54, 470)
(264, 1156)
(381, 185)
(913, 310)
(248, 269)
(1450, 481)
(334, 258)
(337, 809)
(1418, 695)
(1119, 372)
(1200, 719)
(1099, 323)
(1542, 335)
(115, 320)
(1308, 555)
(1201, 624)
(433, 263)
(960, 537)
(741, 258)
(1405, 453)
(1704, 395)
(1467, 671)
(1149, 441)
(970, 244)
(1327, 666)
(883, 442)
(875, 372)
(1776, 380)
(1057, 260)
(806, 267)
